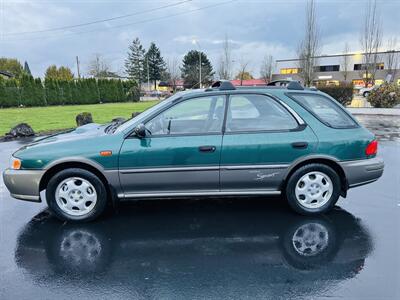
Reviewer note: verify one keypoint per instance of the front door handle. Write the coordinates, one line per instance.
(207, 148)
(300, 145)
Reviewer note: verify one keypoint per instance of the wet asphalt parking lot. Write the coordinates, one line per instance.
(237, 248)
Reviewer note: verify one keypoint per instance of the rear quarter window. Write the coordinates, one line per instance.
(324, 109)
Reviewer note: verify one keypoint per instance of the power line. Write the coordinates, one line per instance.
(127, 24)
(97, 21)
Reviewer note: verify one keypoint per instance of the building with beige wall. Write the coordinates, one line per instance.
(330, 69)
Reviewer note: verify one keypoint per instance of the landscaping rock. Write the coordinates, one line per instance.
(135, 113)
(84, 118)
(21, 130)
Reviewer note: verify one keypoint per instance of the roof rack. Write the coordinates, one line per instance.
(226, 85)
(223, 85)
(289, 84)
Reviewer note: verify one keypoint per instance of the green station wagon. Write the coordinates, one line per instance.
(220, 141)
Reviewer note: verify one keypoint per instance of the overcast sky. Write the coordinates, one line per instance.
(256, 28)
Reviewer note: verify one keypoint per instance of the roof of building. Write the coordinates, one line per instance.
(5, 73)
(337, 55)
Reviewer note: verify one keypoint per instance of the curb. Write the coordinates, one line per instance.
(375, 111)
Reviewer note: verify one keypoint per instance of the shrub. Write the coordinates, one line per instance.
(11, 96)
(386, 96)
(28, 91)
(132, 91)
(32, 91)
(343, 92)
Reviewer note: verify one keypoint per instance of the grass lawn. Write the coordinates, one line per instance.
(63, 117)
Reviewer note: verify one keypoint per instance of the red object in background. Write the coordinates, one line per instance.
(372, 148)
(249, 82)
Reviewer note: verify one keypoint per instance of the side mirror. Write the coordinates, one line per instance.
(140, 131)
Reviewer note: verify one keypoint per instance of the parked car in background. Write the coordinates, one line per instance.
(367, 90)
(220, 141)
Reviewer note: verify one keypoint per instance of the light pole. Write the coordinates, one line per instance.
(198, 45)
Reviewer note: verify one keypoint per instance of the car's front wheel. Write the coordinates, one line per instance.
(76, 195)
(313, 189)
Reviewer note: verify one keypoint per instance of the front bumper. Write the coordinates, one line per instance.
(23, 184)
(359, 172)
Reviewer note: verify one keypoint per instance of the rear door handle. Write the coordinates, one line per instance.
(207, 148)
(300, 145)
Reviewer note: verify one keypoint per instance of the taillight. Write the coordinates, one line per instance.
(372, 148)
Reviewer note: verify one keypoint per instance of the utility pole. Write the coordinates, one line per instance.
(77, 67)
(200, 68)
(148, 74)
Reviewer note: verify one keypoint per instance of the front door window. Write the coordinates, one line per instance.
(201, 115)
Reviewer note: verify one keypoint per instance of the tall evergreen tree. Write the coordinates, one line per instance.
(154, 64)
(134, 64)
(27, 70)
(190, 69)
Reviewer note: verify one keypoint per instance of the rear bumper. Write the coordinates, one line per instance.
(23, 184)
(359, 172)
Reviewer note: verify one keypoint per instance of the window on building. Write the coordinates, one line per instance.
(290, 70)
(328, 68)
(359, 67)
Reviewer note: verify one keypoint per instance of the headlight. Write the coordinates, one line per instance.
(15, 163)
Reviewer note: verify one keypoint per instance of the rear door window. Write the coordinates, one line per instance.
(326, 110)
(257, 113)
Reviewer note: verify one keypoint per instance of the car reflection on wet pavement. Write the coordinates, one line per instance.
(205, 244)
(207, 249)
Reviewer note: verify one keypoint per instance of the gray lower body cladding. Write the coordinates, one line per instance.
(234, 180)
(359, 172)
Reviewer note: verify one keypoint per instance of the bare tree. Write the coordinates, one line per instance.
(370, 40)
(309, 46)
(345, 61)
(243, 72)
(98, 67)
(173, 71)
(267, 67)
(225, 62)
(392, 58)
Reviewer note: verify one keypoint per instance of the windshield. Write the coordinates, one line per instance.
(124, 126)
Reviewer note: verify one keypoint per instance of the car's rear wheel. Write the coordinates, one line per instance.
(313, 189)
(76, 195)
(366, 94)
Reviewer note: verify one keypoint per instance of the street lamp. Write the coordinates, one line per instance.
(194, 42)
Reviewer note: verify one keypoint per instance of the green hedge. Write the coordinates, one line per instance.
(343, 92)
(28, 91)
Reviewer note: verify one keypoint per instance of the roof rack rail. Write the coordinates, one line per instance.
(289, 84)
(223, 85)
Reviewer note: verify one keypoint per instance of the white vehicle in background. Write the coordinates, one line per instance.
(366, 91)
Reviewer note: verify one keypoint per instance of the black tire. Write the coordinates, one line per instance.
(366, 94)
(101, 191)
(295, 177)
